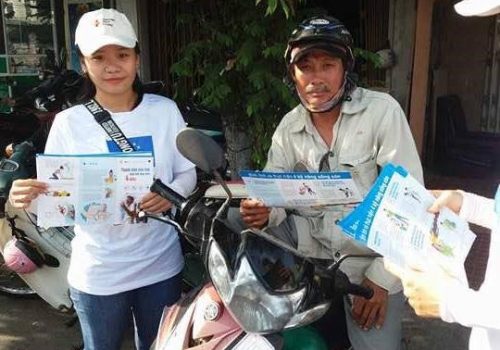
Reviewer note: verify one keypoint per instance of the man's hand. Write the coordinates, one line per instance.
(254, 213)
(371, 312)
(154, 203)
(23, 192)
(450, 199)
(9, 150)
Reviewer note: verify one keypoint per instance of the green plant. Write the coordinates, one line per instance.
(239, 58)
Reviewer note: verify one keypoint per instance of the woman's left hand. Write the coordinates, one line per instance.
(154, 203)
(425, 290)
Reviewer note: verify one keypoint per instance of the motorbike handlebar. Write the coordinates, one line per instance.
(167, 193)
(345, 286)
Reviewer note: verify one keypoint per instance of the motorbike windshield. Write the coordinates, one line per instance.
(278, 270)
(264, 286)
(229, 240)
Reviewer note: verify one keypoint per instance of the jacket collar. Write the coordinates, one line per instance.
(304, 122)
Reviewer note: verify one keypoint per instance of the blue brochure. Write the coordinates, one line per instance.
(301, 189)
(393, 220)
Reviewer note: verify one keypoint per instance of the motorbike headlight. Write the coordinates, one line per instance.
(219, 271)
(255, 309)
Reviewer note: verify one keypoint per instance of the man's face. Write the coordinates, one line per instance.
(318, 76)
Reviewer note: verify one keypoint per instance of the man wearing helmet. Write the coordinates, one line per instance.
(338, 126)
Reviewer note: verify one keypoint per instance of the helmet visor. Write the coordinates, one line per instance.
(331, 49)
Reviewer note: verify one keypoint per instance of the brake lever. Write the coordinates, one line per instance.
(143, 217)
(345, 286)
(341, 283)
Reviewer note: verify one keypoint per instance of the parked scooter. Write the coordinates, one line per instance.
(49, 282)
(256, 285)
(32, 113)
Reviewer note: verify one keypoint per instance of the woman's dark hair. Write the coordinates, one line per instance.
(88, 90)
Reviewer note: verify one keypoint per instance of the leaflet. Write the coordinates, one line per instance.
(393, 220)
(301, 189)
(92, 189)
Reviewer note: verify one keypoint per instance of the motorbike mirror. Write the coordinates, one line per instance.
(200, 149)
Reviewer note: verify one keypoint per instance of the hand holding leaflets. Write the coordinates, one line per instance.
(427, 288)
(301, 189)
(394, 220)
(92, 189)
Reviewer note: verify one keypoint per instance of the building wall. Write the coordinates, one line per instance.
(459, 57)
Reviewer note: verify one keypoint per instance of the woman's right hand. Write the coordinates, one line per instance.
(24, 191)
(446, 198)
(254, 213)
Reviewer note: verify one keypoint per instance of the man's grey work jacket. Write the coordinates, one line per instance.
(370, 132)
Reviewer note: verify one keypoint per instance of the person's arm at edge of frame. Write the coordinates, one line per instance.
(461, 303)
(434, 293)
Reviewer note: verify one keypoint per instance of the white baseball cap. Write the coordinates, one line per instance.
(478, 7)
(104, 27)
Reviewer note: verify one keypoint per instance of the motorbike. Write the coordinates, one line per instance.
(26, 130)
(258, 291)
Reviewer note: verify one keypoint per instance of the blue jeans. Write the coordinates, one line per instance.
(104, 318)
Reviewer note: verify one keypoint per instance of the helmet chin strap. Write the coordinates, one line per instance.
(328, 105)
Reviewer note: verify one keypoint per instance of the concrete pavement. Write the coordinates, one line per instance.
(32, 324)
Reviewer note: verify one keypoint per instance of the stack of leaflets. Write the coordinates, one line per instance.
(393, 220)
(92, 189)
(301, 189)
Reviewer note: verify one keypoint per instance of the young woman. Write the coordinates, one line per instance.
(117, 270)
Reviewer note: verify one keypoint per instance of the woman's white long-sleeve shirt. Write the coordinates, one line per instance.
(479, 309)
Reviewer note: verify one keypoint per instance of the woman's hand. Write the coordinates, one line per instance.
(154, 203)
(23, 192)
(448, 198)
(254, 213)
(425, 288)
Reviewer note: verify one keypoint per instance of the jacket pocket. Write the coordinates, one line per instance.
(363, 168)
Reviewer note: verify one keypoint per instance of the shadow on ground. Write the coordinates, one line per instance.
(32, 324)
